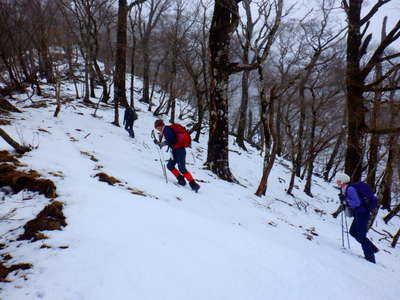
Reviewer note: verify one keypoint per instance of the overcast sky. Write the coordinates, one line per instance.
(391, 9)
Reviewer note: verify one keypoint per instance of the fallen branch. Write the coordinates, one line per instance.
(7, 106)
(395, 239)
(20, 149)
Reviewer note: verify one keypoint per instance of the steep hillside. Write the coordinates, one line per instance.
(143, 238)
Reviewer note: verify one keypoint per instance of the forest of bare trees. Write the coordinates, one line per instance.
(322, 94)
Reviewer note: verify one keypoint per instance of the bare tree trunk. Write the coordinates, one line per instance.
(249, 124)
(146, 73)
(86, 97)
(155, 79)
(354, 83)
(312, 154)
(172, 91)
(224, 22)
(200, 117)
(291, 182)
(20, 149)
(243, 110)
(268, 124)
(103, 82)
(133, 53)
(356, 77)
(278, 128)
(200, 110)
(58, 100)
(120, 59)
(374, 142)
(45, 58)
(300, 133)
(92, 80)
(333, 156)
(385, 189)
(11, 74)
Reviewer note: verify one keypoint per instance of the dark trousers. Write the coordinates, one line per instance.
(359, 229)
(129, 128)
(178, 157)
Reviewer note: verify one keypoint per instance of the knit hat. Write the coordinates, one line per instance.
(343, 178)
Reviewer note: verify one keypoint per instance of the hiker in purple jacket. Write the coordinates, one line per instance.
(361, 213)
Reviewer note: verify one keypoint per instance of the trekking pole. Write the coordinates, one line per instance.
(347, 232)
(194, 160)
(341, 216)
(161, 157)
(163, 165)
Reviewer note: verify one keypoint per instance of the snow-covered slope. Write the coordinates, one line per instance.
(174, 244)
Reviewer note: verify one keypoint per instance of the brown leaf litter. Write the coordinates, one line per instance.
(50, 218)
(107, 178)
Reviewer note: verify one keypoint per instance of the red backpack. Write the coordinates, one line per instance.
(183, 138)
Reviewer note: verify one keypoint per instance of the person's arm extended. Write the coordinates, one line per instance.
(353, 198)
(170, 136)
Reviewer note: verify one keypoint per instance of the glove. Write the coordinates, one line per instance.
(342, 199)
(159, 144)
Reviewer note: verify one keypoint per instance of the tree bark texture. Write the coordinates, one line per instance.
(120, 58)
(268, 124)
(354, 97)
(312, 154)
(243, 110)
(224, 22)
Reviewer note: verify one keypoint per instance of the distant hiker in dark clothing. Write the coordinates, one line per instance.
(177, 138)
(129, 117)
(354, 196)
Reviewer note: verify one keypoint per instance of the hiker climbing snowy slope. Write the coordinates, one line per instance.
(354, 196)
(177, 138)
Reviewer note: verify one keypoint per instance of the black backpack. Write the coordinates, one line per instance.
(131, 114)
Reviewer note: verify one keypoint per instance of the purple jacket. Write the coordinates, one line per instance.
(353, 200)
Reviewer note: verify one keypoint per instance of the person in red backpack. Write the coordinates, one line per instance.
(177, 138)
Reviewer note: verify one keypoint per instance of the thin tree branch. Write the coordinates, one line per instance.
(373, 11)
(383, 130)
(383, 89)
(393, 35)
(134, 3)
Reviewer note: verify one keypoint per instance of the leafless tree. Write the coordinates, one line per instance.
(149, 16)
(358, 80)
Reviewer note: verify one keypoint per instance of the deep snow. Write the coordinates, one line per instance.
(222, 243)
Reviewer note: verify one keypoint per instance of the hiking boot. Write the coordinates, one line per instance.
(370, 258)
(181, 180)
(194, 185)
